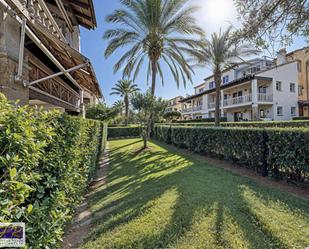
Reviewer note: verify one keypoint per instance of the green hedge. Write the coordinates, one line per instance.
(301, 118)
(201, 120)
(279, 152)
(123, 132)
(257, 124)
(46, 162)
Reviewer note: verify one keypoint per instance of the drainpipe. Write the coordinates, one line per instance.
(19, 75)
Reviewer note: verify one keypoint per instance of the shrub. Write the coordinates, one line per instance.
(46, 161)
(301, 118)
(123, 132)
(205, 120)
(279, 152)
(257, 124)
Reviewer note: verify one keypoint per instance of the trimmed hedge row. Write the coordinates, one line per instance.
(201, 120)
(46, 162)
(123, 132)
(282, 153)
(257, 124)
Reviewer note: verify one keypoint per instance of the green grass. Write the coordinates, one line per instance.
(163, 198)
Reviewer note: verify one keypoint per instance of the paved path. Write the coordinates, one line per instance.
(82, 223)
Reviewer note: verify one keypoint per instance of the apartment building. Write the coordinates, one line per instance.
(258, 89)
(40, 59)
(174, 104)
(302, 56)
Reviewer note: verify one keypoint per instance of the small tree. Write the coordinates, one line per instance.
(102, 112)
(146, 105)
(171, 115)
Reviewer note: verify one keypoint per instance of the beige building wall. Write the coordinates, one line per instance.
(303, 77)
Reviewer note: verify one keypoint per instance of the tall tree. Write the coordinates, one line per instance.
(155, 32)
(272, 22)
(125, 88)
(222, 51)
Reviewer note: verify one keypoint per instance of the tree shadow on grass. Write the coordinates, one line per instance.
(209, 200)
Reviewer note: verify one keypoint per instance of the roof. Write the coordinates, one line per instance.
(297, 50)
(83, 11)
(230, 84)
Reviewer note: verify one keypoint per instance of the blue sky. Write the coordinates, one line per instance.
(212, 15)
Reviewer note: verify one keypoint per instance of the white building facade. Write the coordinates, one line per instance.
(257, 90)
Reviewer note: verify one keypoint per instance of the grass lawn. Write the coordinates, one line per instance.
(163, 198)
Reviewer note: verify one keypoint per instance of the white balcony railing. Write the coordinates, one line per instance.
(211, 105)
(264, 97)
(197, 108)
(187, 110)
(238, 100)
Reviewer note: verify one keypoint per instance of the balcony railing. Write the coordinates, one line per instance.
(197, 108)
(186, 110)
(42, 16)
(264, 97)
(211, 105)
(238, 100)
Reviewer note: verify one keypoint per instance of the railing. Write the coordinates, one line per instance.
(186, 110)
(263, 97)
(238, 100)
(211, 105)
(42, 16)
(197, 108)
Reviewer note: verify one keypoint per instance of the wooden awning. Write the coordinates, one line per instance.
(69, 58)
(82, 10)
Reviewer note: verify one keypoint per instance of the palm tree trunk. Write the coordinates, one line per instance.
(154, 70)
(153, 89)
(126, 103)
(218, 95)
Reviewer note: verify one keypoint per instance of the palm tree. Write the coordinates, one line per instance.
(220, 52)
(125, 88)
(154, 31)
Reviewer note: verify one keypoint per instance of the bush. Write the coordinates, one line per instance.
(123, 132)
(301, 118)
(257, 124)
(46, 162)
(279, 152)
(205, 120)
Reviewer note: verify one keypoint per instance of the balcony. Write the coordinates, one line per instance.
(188, 110)
(198, 108)
(264, 97)
(211, 105)
(238, 100)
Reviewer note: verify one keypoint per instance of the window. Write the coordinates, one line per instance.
(211, 85)
(262, 89)
(300, 90)
(298, 66)
(262, 113)
(201, 90)
(279, 111)
(293, 111)
(225, 79)
(292, 87)
(279, 86)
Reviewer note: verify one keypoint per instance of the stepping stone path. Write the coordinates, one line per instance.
(82, 224)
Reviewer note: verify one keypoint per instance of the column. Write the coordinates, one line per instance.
(255, 108)
(221, 103)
